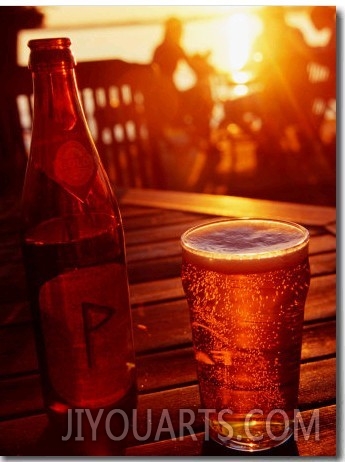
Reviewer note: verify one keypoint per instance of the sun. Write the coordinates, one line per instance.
(239, 33)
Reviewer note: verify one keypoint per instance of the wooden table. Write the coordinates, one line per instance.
(154, 221)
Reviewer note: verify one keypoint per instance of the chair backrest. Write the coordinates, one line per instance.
(115, 96)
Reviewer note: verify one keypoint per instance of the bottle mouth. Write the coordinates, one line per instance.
(50, 52)
(49, 43)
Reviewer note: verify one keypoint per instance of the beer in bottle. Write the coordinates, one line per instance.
(73, 249)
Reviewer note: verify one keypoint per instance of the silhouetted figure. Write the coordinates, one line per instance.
(169, 52)
(166, 58)
(197, 102)
(180, 120)
(283, 73)
(282, 108)
(284, 103)
(189, 109)
(280, 61)
(12, 150)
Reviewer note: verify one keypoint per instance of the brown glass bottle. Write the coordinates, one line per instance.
(73, 249)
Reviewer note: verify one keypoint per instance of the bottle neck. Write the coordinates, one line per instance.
(57, 107)
(56, 100)
(61, 145)
(64, 175)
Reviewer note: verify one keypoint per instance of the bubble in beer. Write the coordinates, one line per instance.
(246, 285)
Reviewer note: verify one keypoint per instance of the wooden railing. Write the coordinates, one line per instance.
(120, 102)
(114, 95)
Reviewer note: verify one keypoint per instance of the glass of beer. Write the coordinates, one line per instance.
(246, 282)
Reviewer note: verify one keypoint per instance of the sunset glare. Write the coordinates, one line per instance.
(241, 31)
(131, 33)
(117, 32)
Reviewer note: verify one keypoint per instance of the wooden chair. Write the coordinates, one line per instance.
(115, 96)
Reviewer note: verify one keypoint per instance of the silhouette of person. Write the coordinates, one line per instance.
(169, 52)
(283, 103)
(182, 108)
(283, 72)
(165, 60)
(181, 121)
(279, 59)
(289, 144)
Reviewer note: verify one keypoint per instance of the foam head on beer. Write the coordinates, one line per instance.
(246, 244)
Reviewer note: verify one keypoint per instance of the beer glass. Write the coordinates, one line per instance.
(246, 282)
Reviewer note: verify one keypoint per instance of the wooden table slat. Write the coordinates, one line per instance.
(152, 323)
(320, 303)
(230, 206)
(154, 370)
(165, 266)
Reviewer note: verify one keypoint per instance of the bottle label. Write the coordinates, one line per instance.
(87, 334)
(74, 168)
